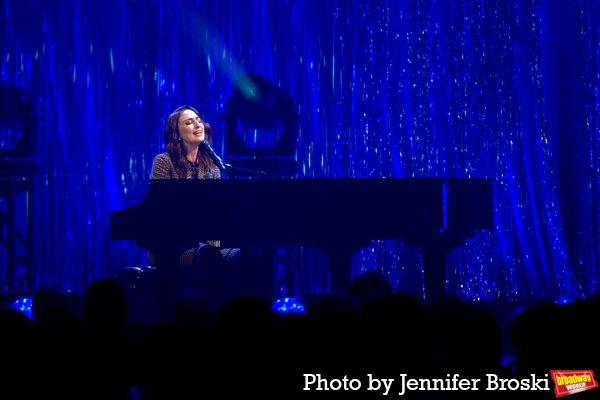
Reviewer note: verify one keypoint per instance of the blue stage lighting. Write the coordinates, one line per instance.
(287, 305)
(565, 301)
(23, 305)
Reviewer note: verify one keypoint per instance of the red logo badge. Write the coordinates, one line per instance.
(571, 381)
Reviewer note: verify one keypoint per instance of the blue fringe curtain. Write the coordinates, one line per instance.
(410, 88)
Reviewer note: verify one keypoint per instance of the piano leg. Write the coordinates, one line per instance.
(339, 260)
(267, 256)
(434, 250)
(340, 266)
(434, 275)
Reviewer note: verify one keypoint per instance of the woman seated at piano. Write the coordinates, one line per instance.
(185, 158)
(205, 266)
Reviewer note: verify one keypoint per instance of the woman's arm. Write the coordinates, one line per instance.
(161, 167)
(213, 172)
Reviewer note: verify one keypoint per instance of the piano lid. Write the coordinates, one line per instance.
(304, 211)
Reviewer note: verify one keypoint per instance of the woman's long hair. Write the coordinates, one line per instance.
(173, 144)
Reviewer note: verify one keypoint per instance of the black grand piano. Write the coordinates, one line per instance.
(337, 215)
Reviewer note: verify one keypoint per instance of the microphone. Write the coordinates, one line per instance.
(216, 159)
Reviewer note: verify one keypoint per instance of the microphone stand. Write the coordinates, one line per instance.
(229, 167)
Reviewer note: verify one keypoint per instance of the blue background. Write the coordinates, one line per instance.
(422, 88)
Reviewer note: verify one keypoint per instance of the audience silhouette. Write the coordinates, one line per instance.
(245, 348)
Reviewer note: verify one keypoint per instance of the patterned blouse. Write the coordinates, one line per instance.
(162, 168)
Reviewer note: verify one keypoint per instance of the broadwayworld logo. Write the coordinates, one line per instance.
(569, 382)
